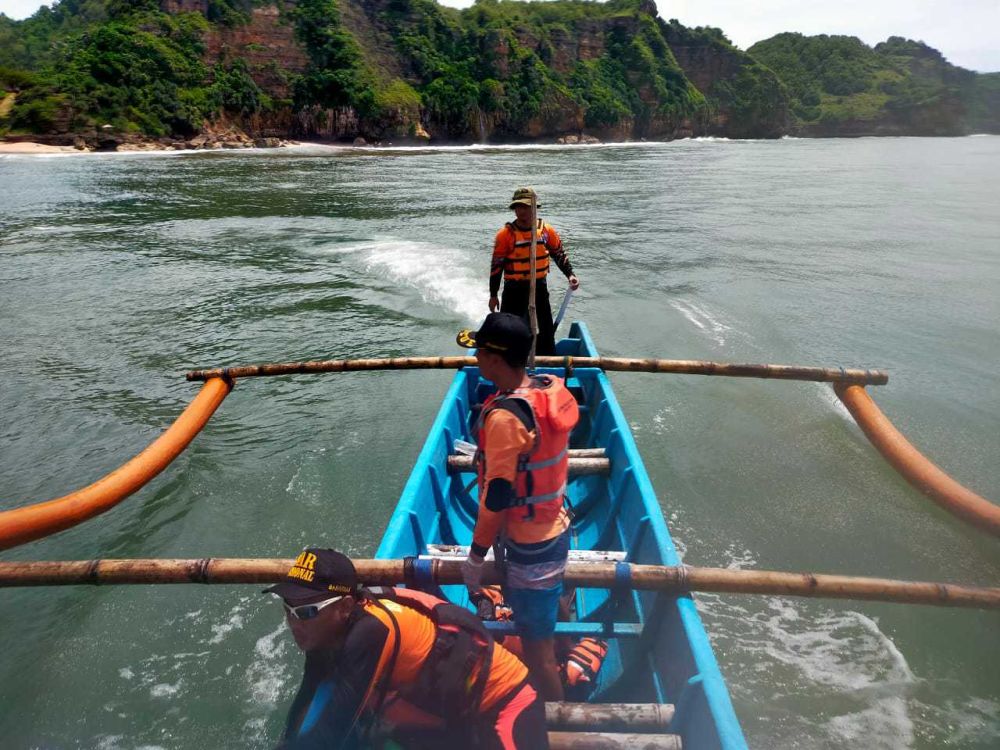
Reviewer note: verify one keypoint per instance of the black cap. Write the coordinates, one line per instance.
(503, 333)
(317, 571)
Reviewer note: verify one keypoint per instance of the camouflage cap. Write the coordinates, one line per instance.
(522, 197)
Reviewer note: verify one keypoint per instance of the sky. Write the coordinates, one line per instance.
(967, 32)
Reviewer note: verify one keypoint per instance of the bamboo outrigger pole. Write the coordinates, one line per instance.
(612, 364)
(680, 579)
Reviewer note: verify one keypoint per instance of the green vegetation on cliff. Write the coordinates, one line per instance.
(840, 85)
(501, 69)
(746, 99)
(132, 67)
(510, 69)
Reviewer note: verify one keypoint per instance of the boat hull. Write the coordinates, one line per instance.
(658, 651)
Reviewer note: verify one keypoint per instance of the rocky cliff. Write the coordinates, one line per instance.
(500, 71)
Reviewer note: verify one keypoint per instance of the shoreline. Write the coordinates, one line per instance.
(31, 147)
(34, 148)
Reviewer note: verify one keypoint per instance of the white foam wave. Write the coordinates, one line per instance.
(220, 631)
(436, 272)
(828, 397)
(267, 674)
(165, 689)
(796, 651)
(867, 728)
(292, 481)
(662, 420)
(320, 148)
(703, 319)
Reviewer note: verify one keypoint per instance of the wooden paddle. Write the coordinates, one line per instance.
(532, 308)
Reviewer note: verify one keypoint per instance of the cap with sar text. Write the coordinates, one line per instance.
(500, 332)
(522, 197)
(317, 571)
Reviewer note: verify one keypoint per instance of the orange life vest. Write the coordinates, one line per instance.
(549, 410)
(453, 675)
(517, 263)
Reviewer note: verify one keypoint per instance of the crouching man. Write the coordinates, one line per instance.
(398, 660)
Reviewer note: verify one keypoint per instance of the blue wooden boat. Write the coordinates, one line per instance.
(658, 650)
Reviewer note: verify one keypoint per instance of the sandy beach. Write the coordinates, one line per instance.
(28, 147)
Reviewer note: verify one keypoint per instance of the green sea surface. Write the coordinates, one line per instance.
(120, 272)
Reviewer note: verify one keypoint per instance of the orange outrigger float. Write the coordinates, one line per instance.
(916, 468)
(21, 525)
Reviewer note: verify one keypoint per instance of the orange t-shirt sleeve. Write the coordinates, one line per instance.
(554, 240)
(505, 439)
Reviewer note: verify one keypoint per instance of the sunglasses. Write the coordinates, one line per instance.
(308, 611)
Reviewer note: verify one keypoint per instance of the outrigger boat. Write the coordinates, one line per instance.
(659, 685)
(658, 652)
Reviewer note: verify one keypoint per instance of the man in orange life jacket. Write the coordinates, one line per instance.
(523, 462)
(512, 261)
(400, 656)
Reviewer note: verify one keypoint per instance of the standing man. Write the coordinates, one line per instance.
(419, 665)
(523, 464)
(512, 261)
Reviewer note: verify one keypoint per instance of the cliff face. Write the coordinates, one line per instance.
(500, 70)
(267, 43)
(691, 87)
(747, 100)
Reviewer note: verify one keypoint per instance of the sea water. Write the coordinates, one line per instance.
(120, 272)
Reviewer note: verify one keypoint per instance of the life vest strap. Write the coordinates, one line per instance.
(535, 499)
(532, 466)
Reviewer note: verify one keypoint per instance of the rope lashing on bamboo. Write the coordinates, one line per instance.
(25, 524)
(916, 468)
(610, 364)
(672, 579)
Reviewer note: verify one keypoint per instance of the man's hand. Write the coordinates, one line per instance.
(574, 283)
(495, 302)
(472, 572)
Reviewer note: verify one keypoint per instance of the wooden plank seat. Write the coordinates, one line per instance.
(632, 718)
(578, 465)
(613, 741)
(460, 552)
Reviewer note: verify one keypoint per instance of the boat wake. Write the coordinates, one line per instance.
(437, 273)
(813, 661)
(703, 319)
(829, 398)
